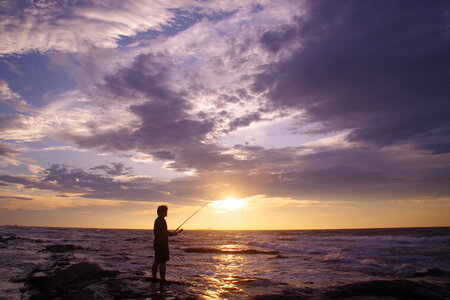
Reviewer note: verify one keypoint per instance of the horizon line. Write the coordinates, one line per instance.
(211, 229)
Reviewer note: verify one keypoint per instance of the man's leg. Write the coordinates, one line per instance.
(155, 269)
(162, 270)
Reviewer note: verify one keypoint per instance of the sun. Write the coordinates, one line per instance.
(230, 203)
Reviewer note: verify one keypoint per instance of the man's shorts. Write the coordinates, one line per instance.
(161, 253)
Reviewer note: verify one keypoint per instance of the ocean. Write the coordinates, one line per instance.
(400, 263)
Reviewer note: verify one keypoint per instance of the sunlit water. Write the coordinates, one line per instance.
(313, 258)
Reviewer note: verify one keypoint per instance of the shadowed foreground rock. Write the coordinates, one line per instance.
(434, 272)
(63, 282)
(396, 289)
(399, 289)
(86, 281)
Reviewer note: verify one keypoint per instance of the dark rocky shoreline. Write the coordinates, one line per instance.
(66, 279)
(89, 281)
(393, 289)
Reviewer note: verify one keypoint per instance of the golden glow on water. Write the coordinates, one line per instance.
(226, 276)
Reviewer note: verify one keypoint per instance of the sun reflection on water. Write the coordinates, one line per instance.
(228, 267)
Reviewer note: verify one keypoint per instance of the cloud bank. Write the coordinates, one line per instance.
(373, 74)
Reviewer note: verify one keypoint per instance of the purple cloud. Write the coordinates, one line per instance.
(11, 121)
(350, 174)
(6, 150)
(332, 174)
(76, 179)
(244, 121)
(113, 169)
(377, 68)
(15, 198)
(90, 183)
(163, 119)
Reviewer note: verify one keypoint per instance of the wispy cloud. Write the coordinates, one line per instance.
(166, 83)
(72, 27)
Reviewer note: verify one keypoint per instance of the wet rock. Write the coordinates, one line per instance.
(248, 282)
(39, 241)
(278, 297)
(84, 294)
(279, 256)
(61, 263)
(58, 248)
(398, 289)
(434, 272)
(9, 238)
(62, 282)
(294, 294)
(62, 259)
(17, 279)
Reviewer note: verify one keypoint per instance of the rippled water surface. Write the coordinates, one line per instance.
(260, 262)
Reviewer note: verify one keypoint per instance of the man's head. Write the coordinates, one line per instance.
(162, 210)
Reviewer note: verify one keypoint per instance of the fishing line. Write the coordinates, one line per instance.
(207, 202)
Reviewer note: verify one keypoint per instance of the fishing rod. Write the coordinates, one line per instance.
(207, 202)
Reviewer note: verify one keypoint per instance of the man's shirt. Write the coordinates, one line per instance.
(160, 232)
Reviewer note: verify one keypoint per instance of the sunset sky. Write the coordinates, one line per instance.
(303, 114)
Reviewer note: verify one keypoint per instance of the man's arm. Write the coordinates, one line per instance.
(174, 233)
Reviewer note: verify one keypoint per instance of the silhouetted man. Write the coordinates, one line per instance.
(161, 243)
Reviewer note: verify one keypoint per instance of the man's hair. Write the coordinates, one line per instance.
(162, 208)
